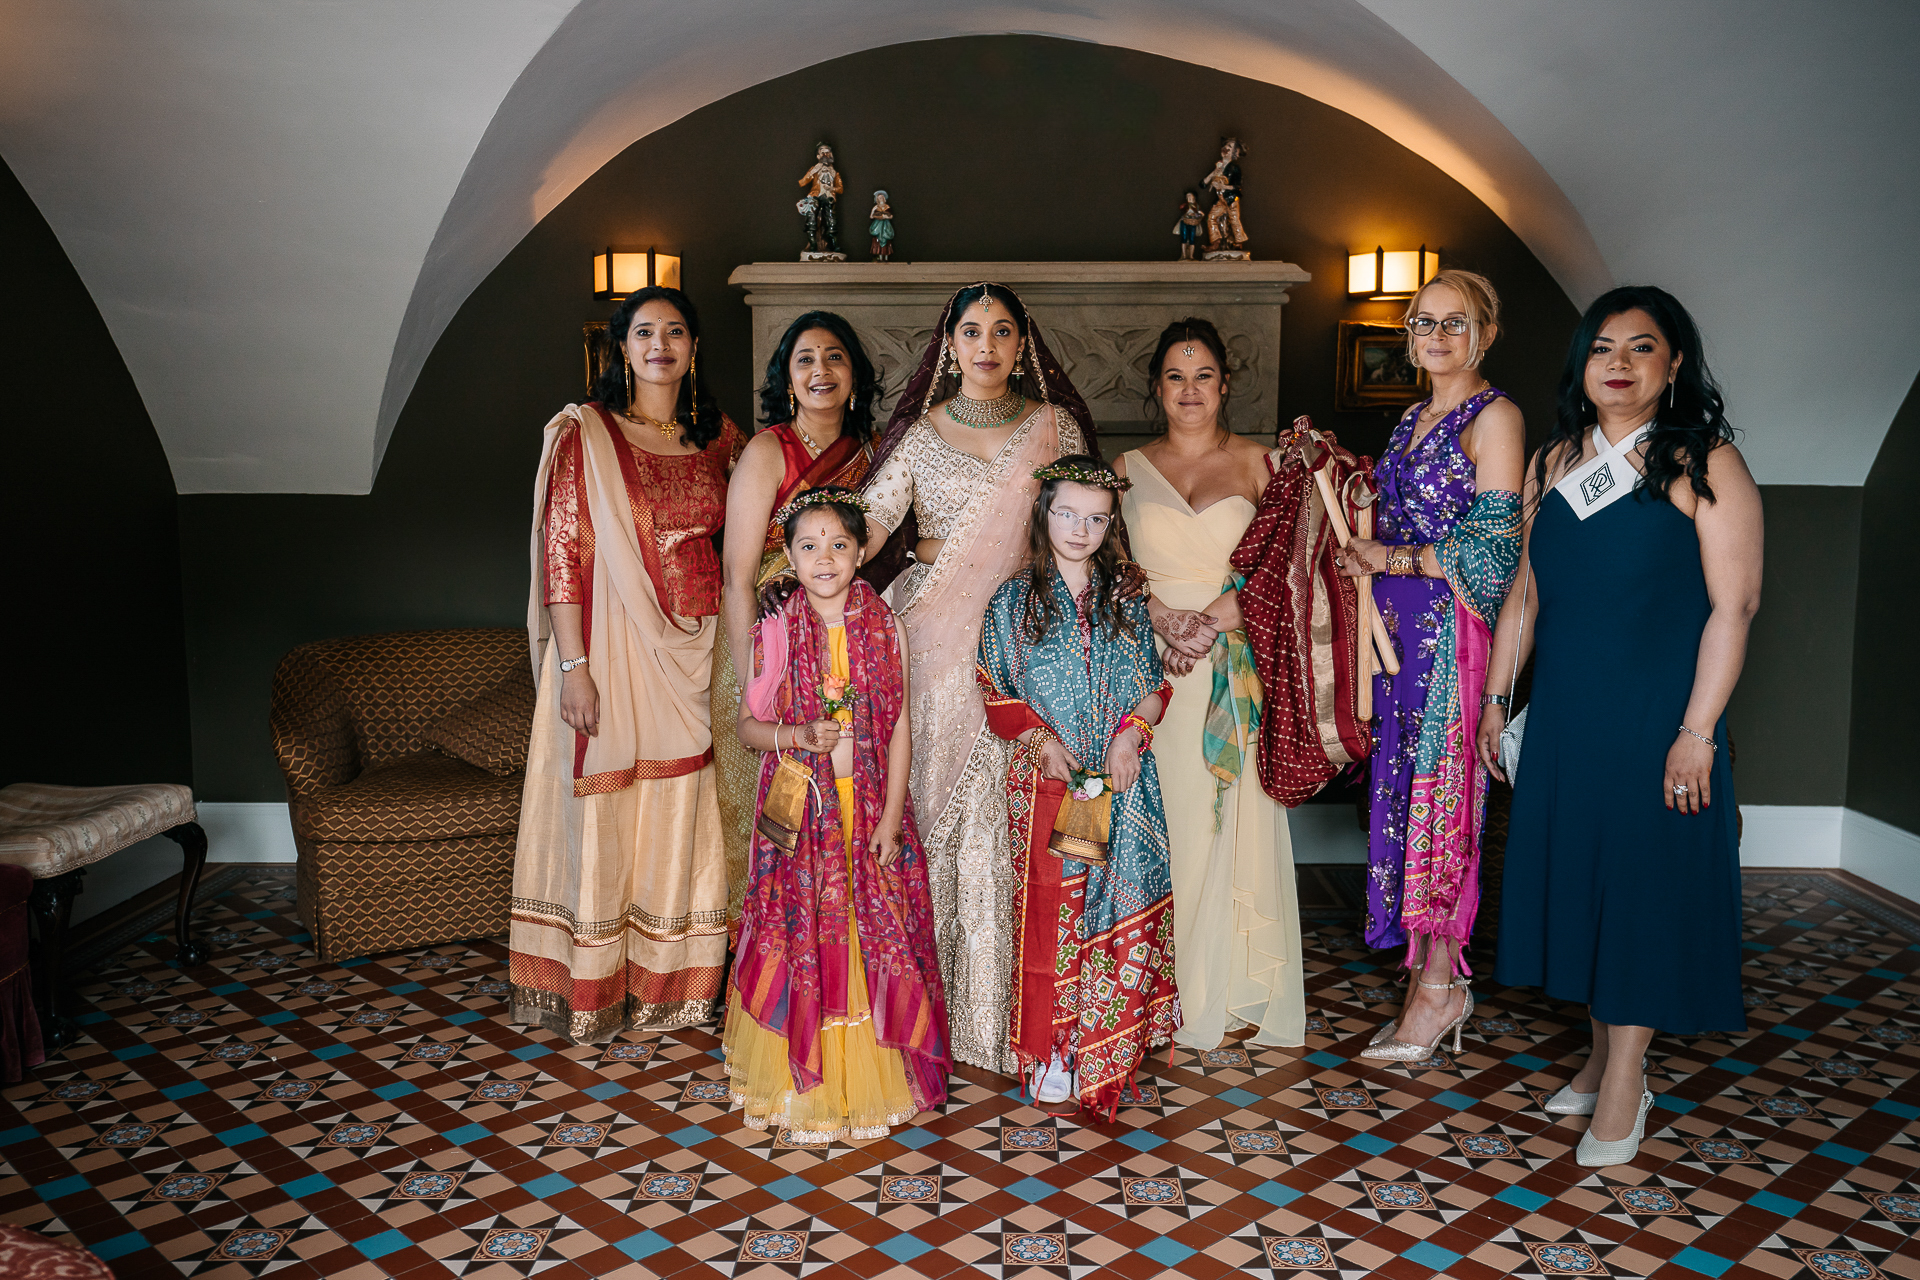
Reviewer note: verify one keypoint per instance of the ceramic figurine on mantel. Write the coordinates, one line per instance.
(820, 208)
(880, 227)
(1188, 227)
(1226, 234)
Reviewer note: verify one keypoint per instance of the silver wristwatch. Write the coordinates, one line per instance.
(568, 664)
(1494, 700)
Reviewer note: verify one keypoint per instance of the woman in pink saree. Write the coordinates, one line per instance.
(950, 495)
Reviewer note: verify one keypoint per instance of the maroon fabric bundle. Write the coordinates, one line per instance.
(20, 1046)
(1303, 620)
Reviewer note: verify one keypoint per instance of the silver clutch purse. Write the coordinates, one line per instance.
(1509, 752)
(1516, 730)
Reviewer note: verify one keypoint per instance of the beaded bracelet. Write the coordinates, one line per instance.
(1138, 721)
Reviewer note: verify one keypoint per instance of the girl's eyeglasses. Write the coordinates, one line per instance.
(1072, 520)
(1455, 325)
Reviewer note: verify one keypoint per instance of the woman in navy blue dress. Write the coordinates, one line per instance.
(1643, 553)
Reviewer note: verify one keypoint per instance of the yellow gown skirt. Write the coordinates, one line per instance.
(863, 1087)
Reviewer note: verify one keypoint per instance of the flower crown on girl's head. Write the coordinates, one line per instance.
(1081, 473)
(825, 495)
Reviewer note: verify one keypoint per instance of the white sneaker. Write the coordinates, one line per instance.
(1057, 1084)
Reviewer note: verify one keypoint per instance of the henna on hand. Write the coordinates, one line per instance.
(776, 593)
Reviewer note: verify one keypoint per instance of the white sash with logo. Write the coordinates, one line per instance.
(1605, 480)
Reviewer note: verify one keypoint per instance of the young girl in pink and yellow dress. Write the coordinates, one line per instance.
(836, 1024)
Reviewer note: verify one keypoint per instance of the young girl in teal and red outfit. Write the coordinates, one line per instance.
(1070, 673)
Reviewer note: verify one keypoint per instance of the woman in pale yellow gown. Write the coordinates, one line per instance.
(1236, 912)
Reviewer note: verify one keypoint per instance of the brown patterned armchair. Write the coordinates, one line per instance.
(404, 756)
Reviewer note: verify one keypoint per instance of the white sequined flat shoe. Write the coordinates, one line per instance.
(1569, 1102)
(1056, 1085)
(1594, 1154)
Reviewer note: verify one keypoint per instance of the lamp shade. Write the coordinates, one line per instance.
(619, 272)
(1388, 273)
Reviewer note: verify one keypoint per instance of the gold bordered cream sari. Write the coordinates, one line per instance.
(619, 882)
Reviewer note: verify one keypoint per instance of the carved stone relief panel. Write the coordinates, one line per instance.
(1100, 318)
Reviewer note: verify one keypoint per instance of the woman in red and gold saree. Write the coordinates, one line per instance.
(818, 396)
(619, 882)
(835, 1023)
(953, 484)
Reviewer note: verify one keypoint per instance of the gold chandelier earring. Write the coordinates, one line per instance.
(693, 384)
(629, 364)
(793, 406)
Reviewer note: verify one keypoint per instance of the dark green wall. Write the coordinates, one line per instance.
(93, 647)
(1788, 718)
(1883, 760)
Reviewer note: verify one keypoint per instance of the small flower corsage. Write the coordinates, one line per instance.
(1088, 784)
(837, 695)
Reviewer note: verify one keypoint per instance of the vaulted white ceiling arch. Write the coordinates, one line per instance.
(279, 207)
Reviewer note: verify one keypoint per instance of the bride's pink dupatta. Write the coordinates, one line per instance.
(945, 603)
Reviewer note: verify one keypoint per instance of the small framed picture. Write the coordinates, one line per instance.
(593, 339)
(1373, 371)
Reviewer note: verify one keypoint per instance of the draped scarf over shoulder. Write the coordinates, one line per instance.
(631, 639)
(1442, 888)
(986, 547)
(845, 462)
(790, 970)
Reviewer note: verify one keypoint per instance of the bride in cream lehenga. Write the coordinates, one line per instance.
(951, 491)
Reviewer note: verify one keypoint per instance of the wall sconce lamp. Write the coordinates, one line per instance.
(1396, 274)
(619, 272)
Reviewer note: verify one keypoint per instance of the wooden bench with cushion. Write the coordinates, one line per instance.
(55, 832)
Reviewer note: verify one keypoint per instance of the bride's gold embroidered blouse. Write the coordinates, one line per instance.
(937, 481)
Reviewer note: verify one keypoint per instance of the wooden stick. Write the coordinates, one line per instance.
(1368, 656)
(1370, 616)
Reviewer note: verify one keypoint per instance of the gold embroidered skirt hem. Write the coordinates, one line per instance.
(619, 911)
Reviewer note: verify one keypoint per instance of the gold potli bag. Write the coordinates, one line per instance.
(1081, 828)
(786, 808)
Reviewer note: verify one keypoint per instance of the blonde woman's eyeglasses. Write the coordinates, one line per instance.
(1421, 327)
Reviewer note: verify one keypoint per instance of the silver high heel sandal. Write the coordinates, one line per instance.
(1392, 1049)
(1595, 1154)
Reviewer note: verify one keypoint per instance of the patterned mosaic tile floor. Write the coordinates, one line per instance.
(271, 1114)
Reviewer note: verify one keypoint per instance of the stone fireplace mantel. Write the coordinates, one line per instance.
(1100, 319)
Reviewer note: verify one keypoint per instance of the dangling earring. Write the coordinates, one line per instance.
(793, 407)
(693, 384)
(629, 364)
(1670, 395)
